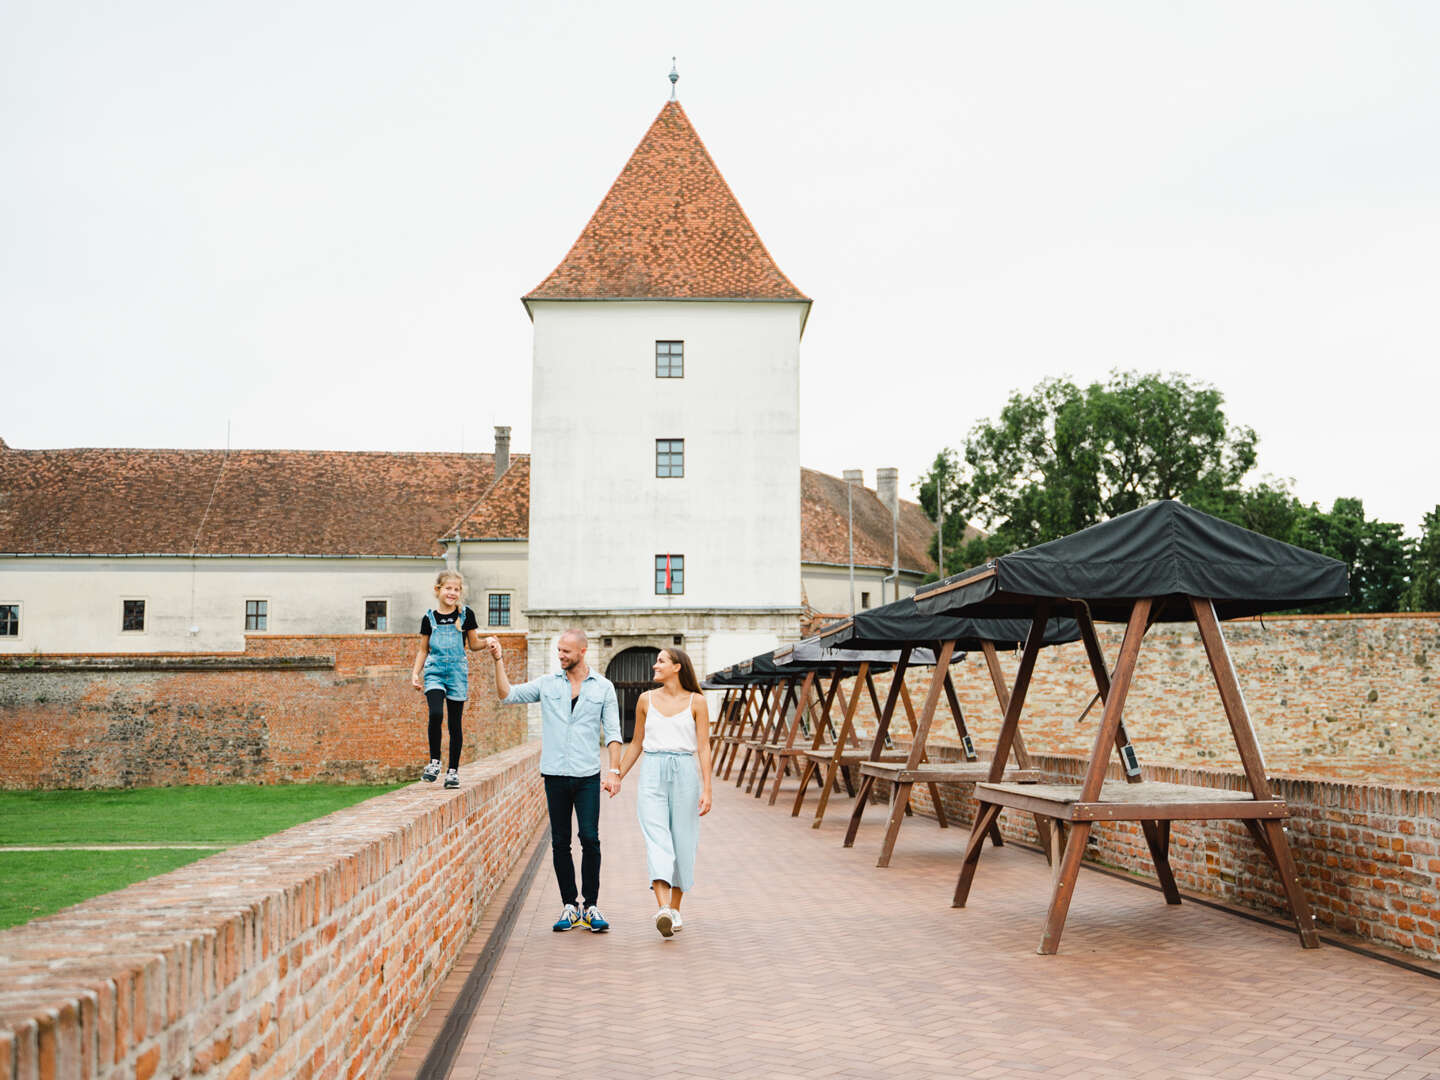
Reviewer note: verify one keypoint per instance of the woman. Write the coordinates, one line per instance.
(672, 728)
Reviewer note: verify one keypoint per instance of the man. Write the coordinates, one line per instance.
(576, 707)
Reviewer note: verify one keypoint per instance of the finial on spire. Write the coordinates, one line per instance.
(674, 78)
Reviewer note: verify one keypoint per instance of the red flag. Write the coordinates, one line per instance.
(667, 573)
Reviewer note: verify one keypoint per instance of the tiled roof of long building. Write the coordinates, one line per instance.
(211, 502)
(669, 228)
(305, 502)
(825, 527)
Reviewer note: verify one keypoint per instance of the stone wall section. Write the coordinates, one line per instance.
(1339, 696)
(310, 953)
(335, 708)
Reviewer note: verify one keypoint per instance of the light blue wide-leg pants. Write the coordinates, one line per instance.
(668, 806)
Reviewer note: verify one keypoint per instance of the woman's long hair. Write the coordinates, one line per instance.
(688, 681)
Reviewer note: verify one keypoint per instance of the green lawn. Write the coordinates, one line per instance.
(42, 882)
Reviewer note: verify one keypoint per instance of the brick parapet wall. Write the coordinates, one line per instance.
(1368, 855)
(273, 714)
(310, 953)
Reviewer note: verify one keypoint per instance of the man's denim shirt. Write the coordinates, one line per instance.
(570, 741)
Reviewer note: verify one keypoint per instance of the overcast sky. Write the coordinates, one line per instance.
(314, 221)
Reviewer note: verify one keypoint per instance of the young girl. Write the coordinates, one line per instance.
(672, 727)
(442, 670)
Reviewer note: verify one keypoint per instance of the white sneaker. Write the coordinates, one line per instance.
(675, 923)
(432, 771)
(665, 922)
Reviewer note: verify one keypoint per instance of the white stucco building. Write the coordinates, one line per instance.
(666, 420)
(663, 500)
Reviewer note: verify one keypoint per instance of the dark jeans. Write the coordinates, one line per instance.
(579, 795)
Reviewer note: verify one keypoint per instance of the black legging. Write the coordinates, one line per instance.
(455, 709)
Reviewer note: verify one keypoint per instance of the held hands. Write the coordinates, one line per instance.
(611, 783)
(493, 644)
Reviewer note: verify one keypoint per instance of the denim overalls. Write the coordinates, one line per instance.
(446, 667)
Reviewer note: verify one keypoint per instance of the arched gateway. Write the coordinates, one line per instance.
(631, 674)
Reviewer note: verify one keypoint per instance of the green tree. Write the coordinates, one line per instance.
(1424, 592)
(1376, 552)
(1060, 458)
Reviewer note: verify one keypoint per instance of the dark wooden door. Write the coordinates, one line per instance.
(631, 674)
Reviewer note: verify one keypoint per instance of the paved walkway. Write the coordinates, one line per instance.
(800, 958)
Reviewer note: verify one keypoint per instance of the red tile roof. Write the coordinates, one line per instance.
(503, 512)
(301, 502)
(669, 229)
(267, 502)
(825, 532)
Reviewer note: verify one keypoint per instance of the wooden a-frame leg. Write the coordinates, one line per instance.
(805, 775)
(758, 774)
(826, 786)
(866, 784)
(1285, 867)
(1044, 829)
(849, 778)
(779, 772)
(1157, 836)
(1064, 887)
(1261, 840)
(939, 805)
(996, 840)
(985, 815)
(900, 802)
(1055, 850)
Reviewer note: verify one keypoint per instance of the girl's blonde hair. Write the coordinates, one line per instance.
(447, 575)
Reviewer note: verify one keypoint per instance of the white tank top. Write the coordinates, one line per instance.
(673, 734)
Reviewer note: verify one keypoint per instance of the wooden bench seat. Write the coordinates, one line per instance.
(1120, 801)
(851, 755)
(942, 772)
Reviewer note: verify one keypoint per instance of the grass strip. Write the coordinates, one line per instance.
(225, 815)
(42, 882)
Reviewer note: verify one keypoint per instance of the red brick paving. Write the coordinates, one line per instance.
(800, 958)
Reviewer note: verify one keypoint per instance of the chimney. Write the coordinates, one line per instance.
(887, 486)
(502, 450)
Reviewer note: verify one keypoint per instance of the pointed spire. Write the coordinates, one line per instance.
(670, 228)
(674, 78)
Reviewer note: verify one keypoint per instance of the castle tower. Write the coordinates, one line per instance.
(665, 494)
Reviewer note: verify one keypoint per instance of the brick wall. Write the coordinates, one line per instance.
(1341, 696)
(337, 708)
(310, 953)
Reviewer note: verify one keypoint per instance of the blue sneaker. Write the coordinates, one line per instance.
(569, 918)
(595, 921)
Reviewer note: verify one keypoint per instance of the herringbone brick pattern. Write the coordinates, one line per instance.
(802, 959)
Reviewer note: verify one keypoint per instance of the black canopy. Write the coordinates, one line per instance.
(901, 623)
(1165, 549)
(764, 669)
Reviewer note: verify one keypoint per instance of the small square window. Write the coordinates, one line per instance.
(257, 614)
(377, 615)
(9, 620)
(669, 457)
(132, 616)
(669, 575)
(669, 359)
(499, 609)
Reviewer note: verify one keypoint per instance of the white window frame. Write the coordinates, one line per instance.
(245, 618)
(19, 606)
(130, 600)
(509, 610)
(365, 601)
